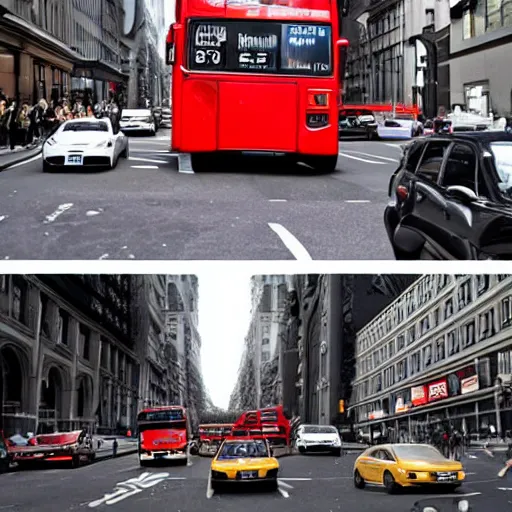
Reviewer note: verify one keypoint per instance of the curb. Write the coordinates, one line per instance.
(33, 152)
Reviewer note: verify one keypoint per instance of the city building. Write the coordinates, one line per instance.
(441, 352)
(399, 53)
(145, 33)
(154, 356)
(55, 49)
(260, 375)
(182, 336)
(325, 312)
(68, 358)
(480, 44)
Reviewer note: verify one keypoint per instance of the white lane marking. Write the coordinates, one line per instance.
(130, 488)
(149, 160)
(355, 201)
(144, 167)
(361, 159)
(103, 256)
(59, 211)
(283, 493)
(132, 468)
(209, 488)
(186, 171)
(504, 488)
(278, 200)
(397, 146)
(298, 251)
(469, 456)
(285, 485)
(160, 151)
(92, 213)
(467, 495)
(298, 479)
(374, 156)
(467, 474)
(3, 217)
(33, 159)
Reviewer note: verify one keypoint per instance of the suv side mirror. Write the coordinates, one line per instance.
(464, 194)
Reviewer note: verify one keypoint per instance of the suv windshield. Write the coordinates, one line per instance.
(264, 47)
(502, 152)
(313, 429)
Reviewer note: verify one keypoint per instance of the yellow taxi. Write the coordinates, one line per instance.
(244, 460)
(406, 465)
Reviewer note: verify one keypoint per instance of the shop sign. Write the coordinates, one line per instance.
(400, 406)
(376, 415)
(469, 385)
(437, 390)
(419, 395)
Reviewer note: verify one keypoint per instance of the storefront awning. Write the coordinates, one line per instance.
(99, 70)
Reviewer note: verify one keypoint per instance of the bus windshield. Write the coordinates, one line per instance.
(260, 47)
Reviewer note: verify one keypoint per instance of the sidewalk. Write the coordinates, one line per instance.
(126, 445)
(18, 155)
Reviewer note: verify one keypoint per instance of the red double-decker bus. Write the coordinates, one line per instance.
(256, 76)
(163, 434)
(269, 423)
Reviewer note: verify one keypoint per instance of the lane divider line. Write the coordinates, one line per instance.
(374, 156)
(356, 201)
(285, 485)
(278, 200)
(283, 493)
(296, 479)
(57, 213)
(149, 160)
(145, 167)
(209, 489)
(298, 251)
(19, 164)
(360, 159)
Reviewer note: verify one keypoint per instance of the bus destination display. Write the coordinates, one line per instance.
(210, 46)
(161, 416)
(306, 48)
(257, 52)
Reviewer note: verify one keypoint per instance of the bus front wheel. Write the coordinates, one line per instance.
(323, 163)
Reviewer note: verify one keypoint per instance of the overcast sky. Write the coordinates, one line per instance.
(169, 12)
(224, 316)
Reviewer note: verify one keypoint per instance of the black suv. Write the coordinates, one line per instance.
(451, 198)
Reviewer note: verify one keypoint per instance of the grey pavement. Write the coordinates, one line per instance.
(146, 209)
(10, 157)
(322, 483)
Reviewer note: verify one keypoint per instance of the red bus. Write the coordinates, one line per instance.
(270, 423)
(163, 434)
(256, 76)
(212, 435)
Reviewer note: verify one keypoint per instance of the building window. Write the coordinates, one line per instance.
(85, 340)
(265, 341)
(400, 342)
(453, 343)
(430, 17)
(468, 24)
(63, 327)
(507, 13)
(411, 334)
(435, 317)
(415, 363)
(468, 334)
(482, 283)
(439, 355)
(487, 328)
(506, 312)
(391, 349)
(425, 325)
(465, 296)
(19, 299)
(265, 357)
(504, 362)
(493, 15)
(448, 308)
(427, 355)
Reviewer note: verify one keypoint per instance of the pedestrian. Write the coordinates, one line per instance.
(115, 445)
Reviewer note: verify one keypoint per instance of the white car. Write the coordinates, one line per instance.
(138, 120)
(85, 143)
(318, 438)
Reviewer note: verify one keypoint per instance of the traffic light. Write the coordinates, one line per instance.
(342, 406)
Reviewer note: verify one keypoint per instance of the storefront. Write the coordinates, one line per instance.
(97, 81)
(34, 65)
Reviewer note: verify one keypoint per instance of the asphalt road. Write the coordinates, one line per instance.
(307, 483)
(146, 209)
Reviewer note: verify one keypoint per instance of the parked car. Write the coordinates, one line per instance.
(451, 198)
(166, 118)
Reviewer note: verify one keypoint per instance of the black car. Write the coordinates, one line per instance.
(5, 458)
(357, 123)
(451, 198)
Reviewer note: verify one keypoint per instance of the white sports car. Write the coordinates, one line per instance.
(85, 143)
